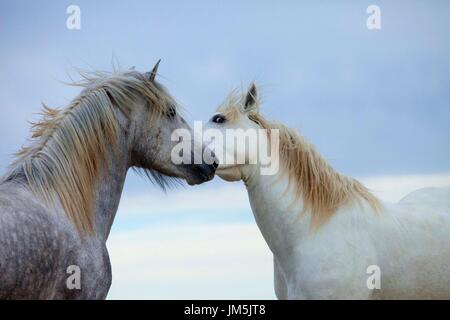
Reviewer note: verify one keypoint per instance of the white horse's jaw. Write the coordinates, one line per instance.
(229, 172)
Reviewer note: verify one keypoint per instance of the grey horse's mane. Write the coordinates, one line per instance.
(69, 145)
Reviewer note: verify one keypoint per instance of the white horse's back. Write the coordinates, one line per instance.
(413, 245)
(437, 197)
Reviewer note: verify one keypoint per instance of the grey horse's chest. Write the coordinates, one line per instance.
(84, 273)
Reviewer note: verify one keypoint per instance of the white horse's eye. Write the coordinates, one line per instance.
(218, 118)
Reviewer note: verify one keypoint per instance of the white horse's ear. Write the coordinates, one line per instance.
(251, 98)
(152, 74)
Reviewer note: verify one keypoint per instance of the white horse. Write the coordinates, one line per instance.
(330, 237)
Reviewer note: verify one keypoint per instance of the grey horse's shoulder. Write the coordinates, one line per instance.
(21, 242)
(18, 205)
(25, 219)
(37, 246)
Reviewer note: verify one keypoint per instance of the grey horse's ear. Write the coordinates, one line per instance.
(251, 98)
(152, 74)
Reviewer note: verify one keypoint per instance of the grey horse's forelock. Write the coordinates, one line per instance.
(69, 145)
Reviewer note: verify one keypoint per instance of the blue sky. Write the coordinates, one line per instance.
(375, 103)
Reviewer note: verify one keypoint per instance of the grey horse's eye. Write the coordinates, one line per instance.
(218, 118)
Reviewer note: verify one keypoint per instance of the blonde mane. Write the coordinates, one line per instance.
(69, 146)
(322, 189)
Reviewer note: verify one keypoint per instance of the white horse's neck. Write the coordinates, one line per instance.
(276, 209)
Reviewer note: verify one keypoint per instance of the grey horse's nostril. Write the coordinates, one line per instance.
(215, 165)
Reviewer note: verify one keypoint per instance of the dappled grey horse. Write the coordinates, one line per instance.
(60, 196)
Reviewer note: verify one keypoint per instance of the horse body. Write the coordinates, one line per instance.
(412, 240)
(41, 242)
(410, 243)
(37, 248)
(59, 200)
(327, 233)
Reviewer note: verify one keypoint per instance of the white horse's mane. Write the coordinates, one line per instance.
(322, 189)
(69, 145)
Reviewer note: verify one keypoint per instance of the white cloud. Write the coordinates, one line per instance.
(191, 262)
(393, 188)
(233, 196)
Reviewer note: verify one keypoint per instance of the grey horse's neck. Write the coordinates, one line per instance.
(109, 183)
